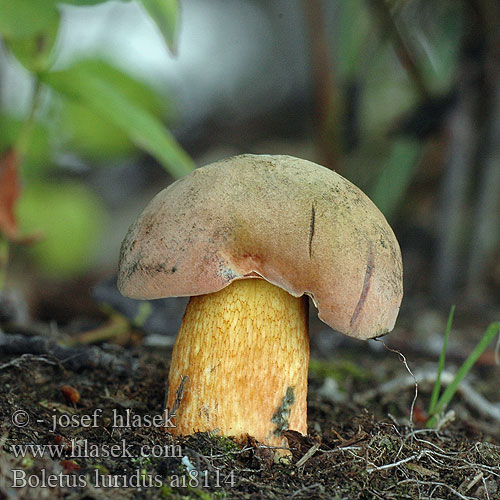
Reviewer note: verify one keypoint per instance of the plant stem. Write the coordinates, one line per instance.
(21, 145)
(467, 365)
(19, 149)
(442, 357)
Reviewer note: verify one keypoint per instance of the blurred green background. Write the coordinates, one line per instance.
(106, 102)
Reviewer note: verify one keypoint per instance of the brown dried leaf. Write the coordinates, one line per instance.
(9, 193)
(69, 465)
(70, 394)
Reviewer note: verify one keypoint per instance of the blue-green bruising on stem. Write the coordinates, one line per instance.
(281, 416)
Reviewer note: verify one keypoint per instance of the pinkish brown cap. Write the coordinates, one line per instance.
(292, 222)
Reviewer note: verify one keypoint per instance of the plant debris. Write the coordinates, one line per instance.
(74, 358)
(112, 442)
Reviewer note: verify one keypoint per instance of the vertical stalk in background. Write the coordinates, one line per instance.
(462, 145)
(486, 227)
(402, 47)
(325, 91)
(465, 243)
(23, 139)
(10, 189)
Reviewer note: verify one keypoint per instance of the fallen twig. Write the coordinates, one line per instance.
(26, 358)
(308, 490)
(416, 456)
(312, 450)
(74, 358)
(438, 484)
(116, 326)
(468, 393)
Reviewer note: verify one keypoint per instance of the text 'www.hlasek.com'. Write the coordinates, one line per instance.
(69, 452)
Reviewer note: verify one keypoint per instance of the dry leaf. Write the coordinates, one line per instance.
(9, 193)
(70, 394)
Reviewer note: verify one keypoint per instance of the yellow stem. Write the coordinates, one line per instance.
(245, 351)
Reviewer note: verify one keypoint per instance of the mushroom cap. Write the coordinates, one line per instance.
(296, 224)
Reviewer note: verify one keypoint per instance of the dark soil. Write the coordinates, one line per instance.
(360, 444)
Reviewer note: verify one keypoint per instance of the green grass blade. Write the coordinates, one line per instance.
(442, 357)
(448, 394)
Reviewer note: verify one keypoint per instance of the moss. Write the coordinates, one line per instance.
(101, 468)
(226, 444)
(198, 493)
(27, 462)
(141, 461)
(166, 492)
(339, 370)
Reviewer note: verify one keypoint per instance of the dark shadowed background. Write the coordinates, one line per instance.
(402, 98)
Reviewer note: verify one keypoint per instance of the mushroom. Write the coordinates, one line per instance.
(248, 239)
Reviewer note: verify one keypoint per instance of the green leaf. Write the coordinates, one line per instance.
(27, 18)
(82, 2)
(165, 13)
(143, 128)
(354, 17)
(70, 218)
(396, 176)
(94, 136)
(35, 52)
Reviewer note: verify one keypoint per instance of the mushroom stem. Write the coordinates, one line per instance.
(245, 351)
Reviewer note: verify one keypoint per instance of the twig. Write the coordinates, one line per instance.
(468, 393)
(228, 453)
(474, 481)
(307, 489)
(117, 325)
(312, 450)
(341, 448)
(438, 484)
(267, 447)
(485, 488)
(74, 358)
(25, 358)
(416, 456)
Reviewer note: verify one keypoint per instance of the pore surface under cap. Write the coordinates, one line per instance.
(297, 224)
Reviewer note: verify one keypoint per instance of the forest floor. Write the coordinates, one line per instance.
(367, 436)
